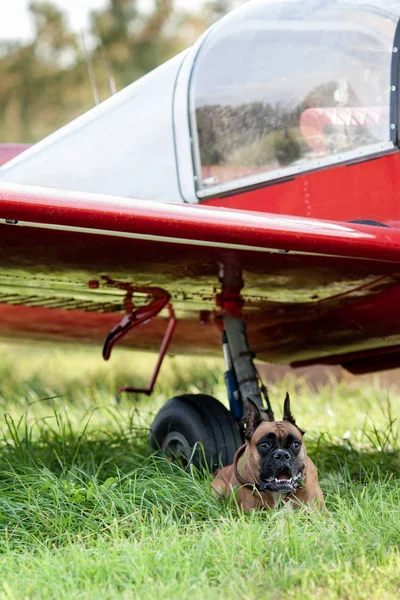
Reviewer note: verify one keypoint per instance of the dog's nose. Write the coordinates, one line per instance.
(281, 455)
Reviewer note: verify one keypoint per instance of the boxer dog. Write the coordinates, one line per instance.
(272, 468)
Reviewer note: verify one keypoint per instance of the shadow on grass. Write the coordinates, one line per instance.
(99, 454)
(103, 453)
(334, 458)
(58, 484)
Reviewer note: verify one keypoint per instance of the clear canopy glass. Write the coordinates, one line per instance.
(282, 86)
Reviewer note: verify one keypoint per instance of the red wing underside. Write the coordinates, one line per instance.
(314, 290)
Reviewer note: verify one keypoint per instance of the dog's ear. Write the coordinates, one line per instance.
(287, 414)
(253, 418)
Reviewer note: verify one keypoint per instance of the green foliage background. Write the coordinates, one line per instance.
(44, 83)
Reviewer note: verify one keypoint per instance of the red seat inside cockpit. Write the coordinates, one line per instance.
(314, 122)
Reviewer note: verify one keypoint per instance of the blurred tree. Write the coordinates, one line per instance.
(134, 43)
(45, 83)
(53, 42)
(33, 77)
(218, 8)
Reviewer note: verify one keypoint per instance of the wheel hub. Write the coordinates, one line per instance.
(176, 446)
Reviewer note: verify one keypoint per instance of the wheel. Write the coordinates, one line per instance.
(185, 420)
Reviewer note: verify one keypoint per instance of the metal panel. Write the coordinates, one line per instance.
(124, 146)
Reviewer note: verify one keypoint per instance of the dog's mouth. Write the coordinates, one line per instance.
(282, 482)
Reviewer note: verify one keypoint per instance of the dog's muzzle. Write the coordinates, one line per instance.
(288, 485)
(284, 473)
(283, 482)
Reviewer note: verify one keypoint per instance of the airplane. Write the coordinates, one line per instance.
(244, 197)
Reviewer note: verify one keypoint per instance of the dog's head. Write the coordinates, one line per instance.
(276, 452)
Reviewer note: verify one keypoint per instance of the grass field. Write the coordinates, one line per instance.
(85, 512)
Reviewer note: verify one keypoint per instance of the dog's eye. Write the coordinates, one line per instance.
(296, 445)
(265, 445)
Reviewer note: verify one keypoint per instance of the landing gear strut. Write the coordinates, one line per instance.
(185, 420)
(238, 356)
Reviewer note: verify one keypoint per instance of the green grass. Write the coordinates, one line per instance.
(85, 512)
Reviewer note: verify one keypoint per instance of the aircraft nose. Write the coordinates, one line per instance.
(281, 455)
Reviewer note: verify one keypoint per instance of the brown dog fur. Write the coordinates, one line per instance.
(225, 482)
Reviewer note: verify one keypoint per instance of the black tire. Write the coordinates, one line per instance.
(185, 420)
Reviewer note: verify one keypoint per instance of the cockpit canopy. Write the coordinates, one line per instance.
(274, 89)
(284, 86)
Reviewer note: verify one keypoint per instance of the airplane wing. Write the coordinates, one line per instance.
(313, 289)
(312, 145)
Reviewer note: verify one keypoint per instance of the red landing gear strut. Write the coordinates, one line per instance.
(242, 378)
(158, 300)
